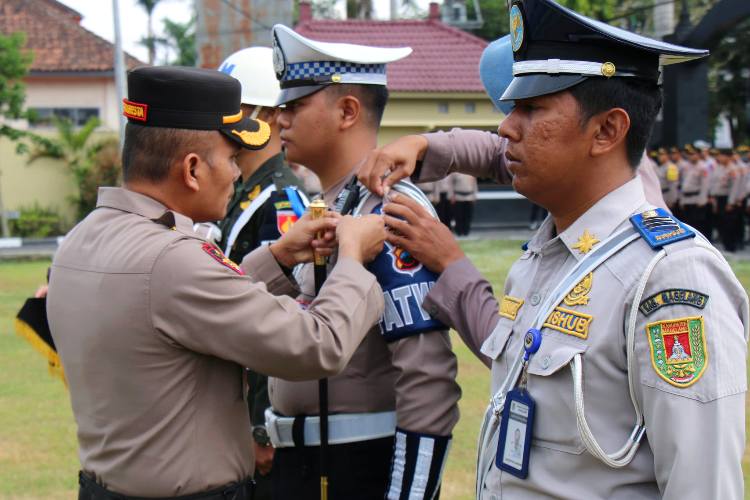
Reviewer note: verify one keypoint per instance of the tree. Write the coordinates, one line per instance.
(359, 9)
(73, 147)
(180, 38)
(495, 14)
(729, 81)
(14, 64)
(150, 41)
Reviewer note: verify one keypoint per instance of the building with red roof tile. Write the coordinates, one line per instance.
(71, 75)
(436, 87)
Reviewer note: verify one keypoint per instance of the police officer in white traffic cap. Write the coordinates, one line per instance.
(393, 409)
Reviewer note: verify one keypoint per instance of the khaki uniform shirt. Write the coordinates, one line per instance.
(415, 376)
(464, 187)
(695, 434)
(669, 181)
(154, 328)
(695, 184)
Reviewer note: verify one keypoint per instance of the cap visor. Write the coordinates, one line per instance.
(248, 133)
(294, 93)
(528, 86)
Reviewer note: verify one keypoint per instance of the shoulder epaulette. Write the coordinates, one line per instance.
(659, 228)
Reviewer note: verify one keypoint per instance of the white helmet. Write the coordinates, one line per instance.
(253, 67)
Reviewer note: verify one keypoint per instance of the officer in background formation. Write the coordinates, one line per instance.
(619, 352)
(267, 200)
(708, 188)
(695, 183)
(154, 325)
(669, 178)
(464, 196)
(393, 408)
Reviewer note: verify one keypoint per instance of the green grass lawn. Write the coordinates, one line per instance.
(38, 457)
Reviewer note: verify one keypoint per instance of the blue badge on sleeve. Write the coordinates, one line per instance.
(405, 283)
(659, 228)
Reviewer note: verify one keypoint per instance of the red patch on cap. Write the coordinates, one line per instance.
(135, 110)
(219, 256)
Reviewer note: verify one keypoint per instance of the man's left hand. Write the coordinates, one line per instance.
(263, 458)
(418, 232)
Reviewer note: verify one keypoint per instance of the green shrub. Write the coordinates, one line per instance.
(36, 221)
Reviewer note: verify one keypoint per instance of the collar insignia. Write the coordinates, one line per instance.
(586, 242)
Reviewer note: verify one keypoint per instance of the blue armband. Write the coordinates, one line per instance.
(405, 283)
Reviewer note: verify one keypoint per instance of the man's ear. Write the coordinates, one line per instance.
(610, 129)
(349, 111)
(190, 170)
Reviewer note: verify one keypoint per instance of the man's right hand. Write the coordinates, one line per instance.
(361, 238)
(387, 165)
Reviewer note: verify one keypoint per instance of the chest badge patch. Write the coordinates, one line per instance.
(219, 256)
(285, 219)
(673, 296)
(569, 322)
(586, 242)
(678, 350)
(579, 296)
(510, 306)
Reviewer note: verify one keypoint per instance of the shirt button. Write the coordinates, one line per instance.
(535, 299)
(546, 361)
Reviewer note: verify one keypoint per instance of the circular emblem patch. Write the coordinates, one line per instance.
(516, 28)
(279, 65)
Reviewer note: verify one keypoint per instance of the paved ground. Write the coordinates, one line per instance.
(46, 248)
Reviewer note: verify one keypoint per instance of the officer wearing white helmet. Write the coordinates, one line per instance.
(267, 201)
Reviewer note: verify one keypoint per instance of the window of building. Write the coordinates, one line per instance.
(443, 107)
(470, 107)
(42, 117)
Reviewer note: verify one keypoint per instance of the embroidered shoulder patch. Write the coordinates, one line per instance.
(678, 349)
(219, 256)
(569, 322)
(510, 306)
(673, 296)
(285, 219)
(658, 227)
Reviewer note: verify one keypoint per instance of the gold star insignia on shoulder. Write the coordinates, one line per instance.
(586, 242)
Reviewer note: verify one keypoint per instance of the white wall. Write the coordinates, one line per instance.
(75, 92)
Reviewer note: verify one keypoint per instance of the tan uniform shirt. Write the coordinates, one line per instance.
(415, 376)
(669, 181)
(464, 187)
(695, 184)
(154, 330)
(695, 435)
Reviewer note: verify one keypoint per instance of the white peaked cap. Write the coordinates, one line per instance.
(304, 66)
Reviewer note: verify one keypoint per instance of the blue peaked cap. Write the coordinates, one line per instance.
(496, 71)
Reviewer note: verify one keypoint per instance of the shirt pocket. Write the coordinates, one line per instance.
(551, 385)
(495, 344)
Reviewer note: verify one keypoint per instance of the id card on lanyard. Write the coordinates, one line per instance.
(517, 425)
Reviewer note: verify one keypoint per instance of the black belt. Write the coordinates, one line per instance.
(664, 190)
(91, 490)
(691, 193)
